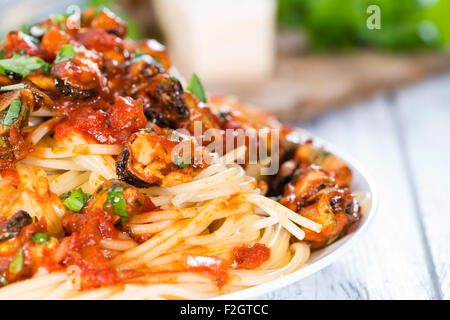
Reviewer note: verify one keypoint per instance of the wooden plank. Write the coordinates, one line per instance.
(424, 116)
(389, 262)
(304, 86)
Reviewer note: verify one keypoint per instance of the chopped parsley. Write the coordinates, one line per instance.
(18, 86)
(196, 88)
(320, 157)
(13, 112)
(182, 163)
(296, 175)
(58, 18)
(40, 238)
(76, 200)
(98, 10)
(148, 130)
(65, 53)
(141, 55)
(23, 65)
(64, 195)
(116, 199)
(16, 264)
(25, 29)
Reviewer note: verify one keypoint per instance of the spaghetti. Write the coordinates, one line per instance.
(98, 203)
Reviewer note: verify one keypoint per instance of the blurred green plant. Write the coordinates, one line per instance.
(135, 31)
(341, 24)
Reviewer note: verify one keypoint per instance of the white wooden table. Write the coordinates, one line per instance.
(403, 139)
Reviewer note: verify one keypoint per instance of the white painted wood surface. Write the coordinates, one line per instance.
(404, 141)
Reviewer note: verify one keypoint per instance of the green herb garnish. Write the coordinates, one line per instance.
(18, 86)
(13, 112)
(296, 175)
(196, 88)
(64, 196)
(23, 65)
(182, 163)
(40, 238)
(116, 199)
(141, 55)
(65, 53)
(320, 157)
(25, 29)
(16, 264)
(58, 18)
(76, 200)
(148, 130)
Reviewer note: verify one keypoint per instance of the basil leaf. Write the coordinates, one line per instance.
(22, 65)
(16, 264)
(196, 88)
(13, 112)
(18, 86)
(116, 199)
(76, 200)
(40, 238)
(65, 53)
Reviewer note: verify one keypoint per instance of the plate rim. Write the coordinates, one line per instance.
(308, 270)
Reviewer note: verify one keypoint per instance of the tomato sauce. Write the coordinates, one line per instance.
(16, 41)
(251, 257)
(52, 41)
(83, 247)
(34, 256)
(11, 176)
(113, 126)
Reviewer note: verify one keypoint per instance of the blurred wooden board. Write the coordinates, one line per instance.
(304, 86)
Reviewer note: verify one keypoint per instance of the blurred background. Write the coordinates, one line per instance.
(370, 76)
(296, 58)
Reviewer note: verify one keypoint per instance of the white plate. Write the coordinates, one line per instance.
(319, 259)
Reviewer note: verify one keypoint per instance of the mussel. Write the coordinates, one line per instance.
(76, 79)
(150, 158)
(14, 224)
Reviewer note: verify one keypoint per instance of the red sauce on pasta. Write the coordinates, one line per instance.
(83, 246)
(251, 257)
(115, 125)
